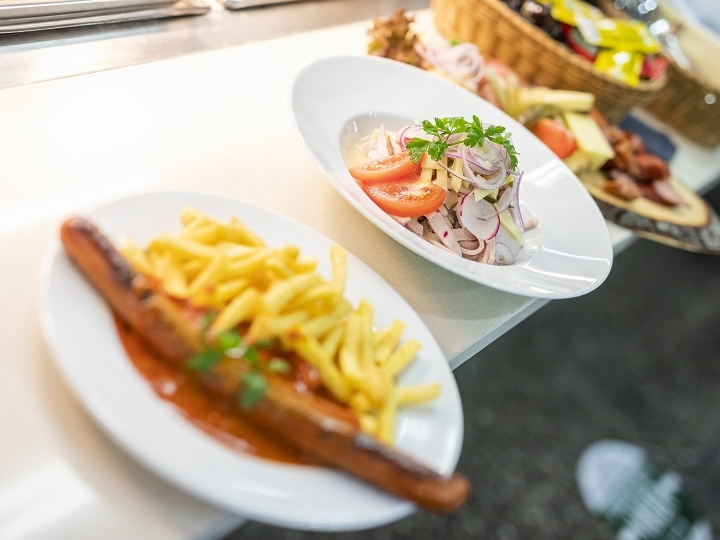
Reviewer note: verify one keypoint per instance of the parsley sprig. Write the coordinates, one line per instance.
(476, 134)
(442, 130)
(230, 344)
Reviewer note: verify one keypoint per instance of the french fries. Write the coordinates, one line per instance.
(277, 294)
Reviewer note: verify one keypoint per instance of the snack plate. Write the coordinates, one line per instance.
(79, 329)
(336, 101)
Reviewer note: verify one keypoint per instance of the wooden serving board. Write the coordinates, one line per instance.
(704, 239)
(695, 213)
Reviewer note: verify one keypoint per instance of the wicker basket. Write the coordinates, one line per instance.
(501, 33)
(690, 102)
(682, 105)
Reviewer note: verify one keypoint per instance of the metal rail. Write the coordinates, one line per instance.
(40, 56)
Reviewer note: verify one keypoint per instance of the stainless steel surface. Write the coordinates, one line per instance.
(181, 8)
(33, 8)
(41, 56)
(244, 4)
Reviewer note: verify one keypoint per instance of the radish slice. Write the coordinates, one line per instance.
(504, 237)
(503, 257)
(488, 254)
(506, 199)
(480, 218)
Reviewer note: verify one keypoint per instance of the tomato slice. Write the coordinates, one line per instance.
(408, 196)
(556, 136)
(384, 168)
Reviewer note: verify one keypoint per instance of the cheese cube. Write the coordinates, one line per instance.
(590, 139)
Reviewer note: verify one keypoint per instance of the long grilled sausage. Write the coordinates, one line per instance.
(299, 420)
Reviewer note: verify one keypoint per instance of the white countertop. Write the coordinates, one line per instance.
(209, 122)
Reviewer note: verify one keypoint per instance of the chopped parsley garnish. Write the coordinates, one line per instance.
(476, 135)
(206, 322)
(278, 365)
(251, 355)
(230, 344)
(442, 130)
(496, 134)
(255, 388)
(229, 340)
(204, 361)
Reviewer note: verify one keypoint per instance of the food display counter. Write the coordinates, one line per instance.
(88, 131)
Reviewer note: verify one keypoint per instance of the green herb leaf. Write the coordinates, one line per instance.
(251, 355)
(206, 322)
(278, 365)
(457, 124)
(431, 129)
(442, 129)
(229, 339)
(416, 148)
(436, 150)
(254, 389)
(204, 361)
(477, 135)
(264, 343)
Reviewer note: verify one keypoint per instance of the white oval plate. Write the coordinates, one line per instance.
(79, 329)
(336, 101)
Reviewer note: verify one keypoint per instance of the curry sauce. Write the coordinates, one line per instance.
(214, 415)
